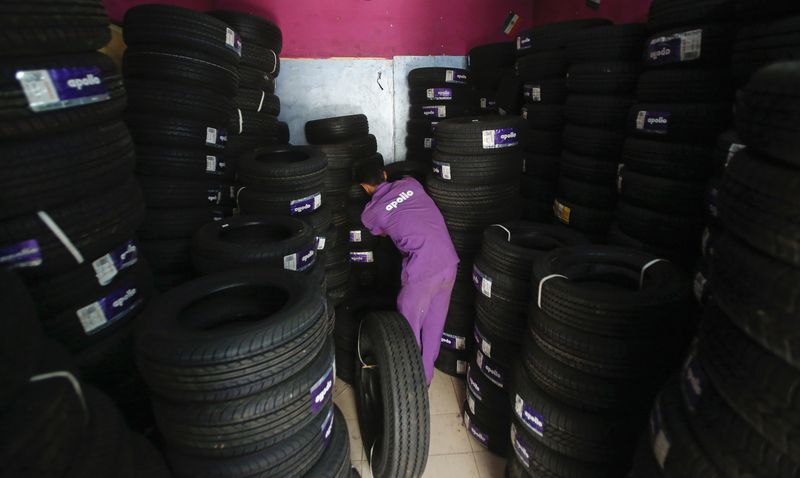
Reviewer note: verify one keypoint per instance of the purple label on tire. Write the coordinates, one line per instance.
(305, 205)
(302, 259)
(21, 254)
(59, 88)
(108, 266)
(321, 391)
(491, 370)
(529, 416)
(111, 308)
(362, 257)
(481, 342)
(521, 447)
(524, 42)
(476, 432)
(656, 122)
(434, 111)
(437, 94)
(453, 342)
(500, 138)
(473, 385)
(327, 429)
(214, 196)
(676, 48)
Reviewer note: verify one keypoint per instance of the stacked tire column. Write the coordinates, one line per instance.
(596, 115)
(475, 184)
(435, 94)
(181, 68)
(487, 65)
(683, 104)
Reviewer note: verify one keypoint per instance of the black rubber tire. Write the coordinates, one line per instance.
(707, 45)
(255, 79)
(491, 432)
(598, 111)
(749, 10)
(544, 116)
(553, 36)
(392, 398)
(761, 44)
(282, 169)
(152, 96)
(336, 130)
(595, 142)
(343, 155)
(611, 42)
(509, 97)
(174, 193)
(335, 461)
(542, 65)
(260, 58)
(682, 161)
(433, 77)
(252, 28)
(18, 119)
(232, 365)
(551, 91)
(403, 169)
(587, 194)
(671, 231)
(153, 130)
(452, 362)
(471, 207)
(299, 203)
(478, 169)
(659, 194)
(251, 123)
(185, 163)
(43, 174)
(544, 167)
(586, 219)
(669, 13)
(421, 127)
(439, 111)
(685, 85)
(465, 136)
(604, 77)
(544, 142)
(589, 169)
(676, 122)
(259, 101)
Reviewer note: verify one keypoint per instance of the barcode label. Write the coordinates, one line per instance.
(290, 262)
(104, 269)
(91, 317)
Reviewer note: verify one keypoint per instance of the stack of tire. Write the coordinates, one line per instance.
(344, 140)
(541, 70)
(349, 315)
(502, 278)
(684, 103)
(54, 424)
(596, 114)
(70, 205)
(475, 183)
(255, 122)
(487, 65)
(607, 326)
(181, 71)
(435, 94)
(241, 368)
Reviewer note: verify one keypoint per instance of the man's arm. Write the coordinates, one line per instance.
(371, 222)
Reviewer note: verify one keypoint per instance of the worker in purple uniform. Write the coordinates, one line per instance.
(403, 211)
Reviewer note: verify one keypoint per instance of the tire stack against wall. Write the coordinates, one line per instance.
(684, 103)
(255, 122)
(55, 425)
(475, 184)
(70, 205)
(435, 94)
(596, 113)
(346, 141)
(487, 65)
(541, 69)
(607, 326)
(502, 278)
(181, 71)
(259, 399)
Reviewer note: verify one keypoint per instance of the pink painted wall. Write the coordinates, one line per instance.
(618, 11)
(371, 28)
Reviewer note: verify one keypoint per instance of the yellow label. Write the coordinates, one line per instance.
(561, 211)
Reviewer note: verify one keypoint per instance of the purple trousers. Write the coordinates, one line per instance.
(424, 304)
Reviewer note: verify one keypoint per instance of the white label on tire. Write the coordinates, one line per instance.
(104, 269)
(483, 103)
(461, 367)
(524, 165)
(320, 243)
(211, 164)
(211, 136)
(691, 45)
(428, 143)
(735, 148)
(536, 94)
(661, 446)
(471, 403)
(290, 262)
(524, 113)
(620, 168)
(355, 236)
(91, 317)
(446, 171)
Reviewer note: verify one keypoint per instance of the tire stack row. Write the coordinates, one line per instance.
(255, 122)
(70, 205)
(474, 183)
(258, 399)
(596, 112)
(435, 94)
(488, 64)
(54, 424)
(345, 140)
(181, 72)
(541, 69)
(502, 277)
(683, 103)
(607, 325)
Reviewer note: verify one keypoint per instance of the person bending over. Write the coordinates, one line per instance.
(403, 211)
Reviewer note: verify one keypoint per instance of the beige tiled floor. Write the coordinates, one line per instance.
(453, 452)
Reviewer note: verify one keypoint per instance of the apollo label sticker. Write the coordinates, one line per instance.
(439, 94)
(491, 370)
(481, 281)
(482, 343)
(453, 342)
(434, 111)
(321, 391)
(216, 138)
(532, 93)
(305, 205)
(500, 138)
(442, 170)
(301, 260)
(677, 48)
(476, 432)
(355, 236)
(428, 143)
(656, 122)
(22, 254)
(524, 42)
(521, 448)
(59, 88)
(661, 439)
(111, 308)
(214, 196)
(111, 264)
(562, 212)
(473, 385)
(452, 76)
(362, 257)
(233, 41)
(529, 416)
(327, 429)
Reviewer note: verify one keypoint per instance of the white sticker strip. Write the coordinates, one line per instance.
(76, 385)
(541, 283)
(261, 101)
(48, 221)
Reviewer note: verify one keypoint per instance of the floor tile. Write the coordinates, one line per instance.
(490, 465)
(448, 435)
(364, 469)
(356, 445)
(460, 466)
(475, 445)
(442, 395)
(346, 401)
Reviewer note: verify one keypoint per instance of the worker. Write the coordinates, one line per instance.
(403, 211)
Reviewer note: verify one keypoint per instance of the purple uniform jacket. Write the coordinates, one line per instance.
(403, 211)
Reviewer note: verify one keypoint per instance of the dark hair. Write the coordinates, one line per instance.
(370, 171)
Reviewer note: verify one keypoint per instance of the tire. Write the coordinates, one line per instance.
(670, 231)
(19, 119)
(432, 77)
(150, 97)
(255, 79)
(252, 28)
(491, 56)
(611, 42)
(595, 142)
(669, 13)
(282, 169)
(681, 161)
(535, 210)
(92, 225)
(544, 142)
(554, 36)
(583, 218)
(171, 256)
(449, 96)
(336, 130)
(761, 44)
(258, 101)
(58, 27)
(609, 112)
(250, 123)
(485, 428)
(544, 167)
(544, 116)
(678, 85)
(458, 203)
(439, 111)
(299, 203)
(178, 132)
(232, 365)
(351, 313)
(478, 170)
(421, 127)
(484, 391)
(404, 169)
(587, 194)
(185, 163)
(44, 174)
(604, 77)
(401, 443)
(343, 155)
(173, 193)
(465, 136)
(335, 461)
(260, 58)
(542, 65)
(451, 362)
(664, 195)
(690, 123)
(588, 169)
(509, 97)
(182, 66)
(696, 45)
(761, 9)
